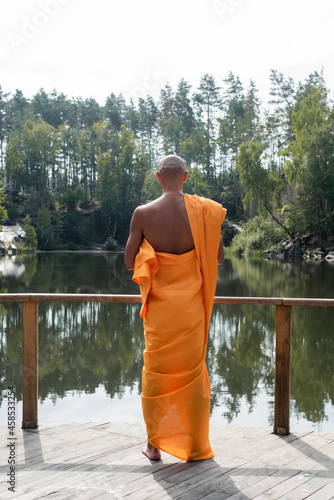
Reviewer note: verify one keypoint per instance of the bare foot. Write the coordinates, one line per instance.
(151, 452)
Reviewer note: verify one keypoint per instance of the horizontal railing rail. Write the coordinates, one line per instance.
(282, 356)
(102, 297)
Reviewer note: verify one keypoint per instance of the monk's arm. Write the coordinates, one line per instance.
(135, 239)
(220, 252)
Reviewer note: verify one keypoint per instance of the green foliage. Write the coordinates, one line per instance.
(71, 197)
(208, 102)
(193, 147)
(311, 168)
(31, 236)
(111, 245)
(196, 183)
(151, 187)
(44, 229)
(3, 211)
(40, 146)
(14, 163)
(261, 184)
(228, 233)
(68, 152)
(13, 210)
(70, 230)
(264, 185)
(257, 234)
(121, 181)
(108, 184)
(240, 122)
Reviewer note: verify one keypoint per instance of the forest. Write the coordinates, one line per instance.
(271, 164)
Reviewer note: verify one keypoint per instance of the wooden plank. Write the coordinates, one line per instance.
(264, 448)
(135, 471)
(14, 297)
(289, 486)
(31, 438)
(141, 467)
(324, 493)
(264, 472)
(269, 483)
(312, 486)
(75, 459)
(203, 481)
(30, 365)
(43, 450)
(76, 449)
(83, 474)
(76, 297)
(226, 433)
(182, 477)
(47, 475)
(113, 475)
(92, 461)
(185, 476)
(86, 470)
(84, 297)
(282, 370)
(133, 430)
(70, 445)
(258, 481)
(274, 301)
(309, 302)
(294, 473)
(246, 445)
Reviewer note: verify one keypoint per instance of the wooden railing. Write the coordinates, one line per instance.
(282, 358)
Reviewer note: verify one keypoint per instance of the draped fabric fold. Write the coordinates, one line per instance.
(205, 218)
(145, 268)
(177, 297)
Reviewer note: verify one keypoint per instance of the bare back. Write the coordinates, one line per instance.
(165, 224)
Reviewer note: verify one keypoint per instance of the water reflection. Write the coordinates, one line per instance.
(11, 266)
(86, 346)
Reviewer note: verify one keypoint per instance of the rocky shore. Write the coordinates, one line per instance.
(309, 246)
(10, 235)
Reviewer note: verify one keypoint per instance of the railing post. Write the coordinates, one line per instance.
(30, 365)
(282, 370)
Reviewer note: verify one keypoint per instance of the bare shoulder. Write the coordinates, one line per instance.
(139, 212)
(143, 210)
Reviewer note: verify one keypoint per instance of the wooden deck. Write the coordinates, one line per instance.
(95, 460)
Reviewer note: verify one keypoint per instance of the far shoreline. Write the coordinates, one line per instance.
(95, 250)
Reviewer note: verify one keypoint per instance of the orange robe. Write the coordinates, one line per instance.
(177, 298)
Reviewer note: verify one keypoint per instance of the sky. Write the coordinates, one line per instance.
(91, 48)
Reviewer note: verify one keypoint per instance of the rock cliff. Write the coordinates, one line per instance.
(10, 235)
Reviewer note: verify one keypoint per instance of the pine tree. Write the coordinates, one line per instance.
(114, 111)
(208, 102)
(14, 164)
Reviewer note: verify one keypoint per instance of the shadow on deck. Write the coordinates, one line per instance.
(92, 460)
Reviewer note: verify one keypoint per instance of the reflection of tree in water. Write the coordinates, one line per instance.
(10, 349)
(312, 361)
(243, 358)
(71, 273)
(261, 278)
(19, 269)
(88, 345)
(81, 345)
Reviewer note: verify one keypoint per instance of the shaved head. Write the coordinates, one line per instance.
(171, 165)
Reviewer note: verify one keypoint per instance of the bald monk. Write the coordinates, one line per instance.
(174, 248)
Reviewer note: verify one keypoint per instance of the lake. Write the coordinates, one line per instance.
(90, 354)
